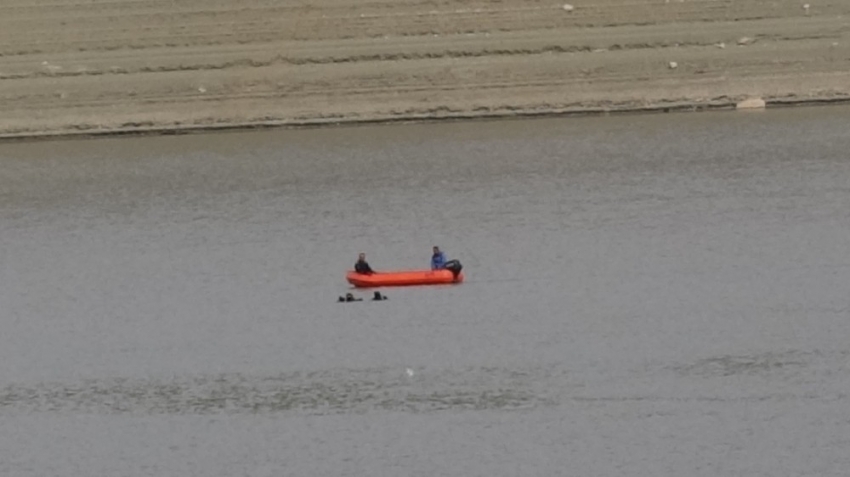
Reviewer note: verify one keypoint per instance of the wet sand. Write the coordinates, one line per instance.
(101, 67)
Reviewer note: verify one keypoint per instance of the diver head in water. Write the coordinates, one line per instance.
(349, 297)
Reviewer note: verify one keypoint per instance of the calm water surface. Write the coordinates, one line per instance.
(645, 296)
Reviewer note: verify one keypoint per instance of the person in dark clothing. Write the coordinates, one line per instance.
(349, 297)
(362, 266)
(378, 297)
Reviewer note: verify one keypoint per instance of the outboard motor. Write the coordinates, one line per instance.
(454, 266)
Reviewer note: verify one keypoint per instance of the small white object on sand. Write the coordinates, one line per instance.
(751, 103)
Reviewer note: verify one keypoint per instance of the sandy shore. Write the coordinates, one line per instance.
(105, 66)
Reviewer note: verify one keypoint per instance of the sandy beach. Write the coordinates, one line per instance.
(108, 66)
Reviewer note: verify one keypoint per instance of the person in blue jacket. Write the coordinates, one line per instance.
(438, 259)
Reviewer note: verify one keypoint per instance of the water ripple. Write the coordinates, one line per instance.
(315, 393)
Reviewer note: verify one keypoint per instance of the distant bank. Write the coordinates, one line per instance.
(144, 67)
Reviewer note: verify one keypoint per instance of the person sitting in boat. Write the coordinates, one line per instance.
(362, 266)
(438, 259)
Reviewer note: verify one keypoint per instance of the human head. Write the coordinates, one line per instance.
(362, 256)
(436, 249)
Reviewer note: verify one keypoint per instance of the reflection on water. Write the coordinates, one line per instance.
(763, 364)
(361, 391)
(339, 391)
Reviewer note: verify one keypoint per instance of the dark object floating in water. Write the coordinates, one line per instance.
(348, 297)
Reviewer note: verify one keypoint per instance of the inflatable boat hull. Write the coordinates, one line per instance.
(403, 278)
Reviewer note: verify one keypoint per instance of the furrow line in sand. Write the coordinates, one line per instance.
(640, 13)
(170, 60)
(30, 41)
(348, 25)
(295, 61)
(596, 37)
(352, 91)
(700, 58)
(442, 113)
(428, 6)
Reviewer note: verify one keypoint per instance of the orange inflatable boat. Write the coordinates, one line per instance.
(404, 278)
